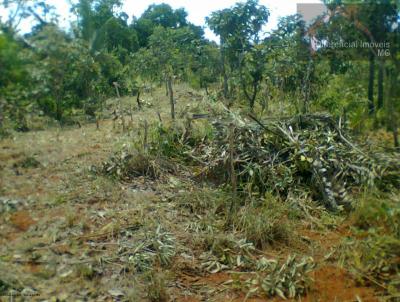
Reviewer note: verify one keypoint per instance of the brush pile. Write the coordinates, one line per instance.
(126, 166)
(308, 153)
(304, 153)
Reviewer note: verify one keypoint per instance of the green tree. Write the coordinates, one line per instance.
(14, 81)
(158, 15)
(291, 66)
(64, 72)
(205, 64)
(239, 29)
(168, 56)
(103, 28)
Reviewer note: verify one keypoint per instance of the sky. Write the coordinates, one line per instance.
(197, 10)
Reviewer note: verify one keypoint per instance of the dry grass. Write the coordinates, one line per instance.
(266, 222)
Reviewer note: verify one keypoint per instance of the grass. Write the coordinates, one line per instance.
(204, 201)
(265, 222)
(157, 289)
(378, 210)
(374, 250)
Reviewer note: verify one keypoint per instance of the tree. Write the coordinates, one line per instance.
(205, 64)
(166, 57)
(19, 10)
(14, 81)
(158, 15)
(102, 28)
(239, 29)
(64, 72)
(291, 65)
(372, 21)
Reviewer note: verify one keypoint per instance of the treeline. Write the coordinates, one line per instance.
(56, 71)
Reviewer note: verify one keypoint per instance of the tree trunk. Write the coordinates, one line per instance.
(380, 85)
(1, 114)
(232, 172)
(121, 112)
(392, 112)
(371, 106)
(307, 86)
(252, 99)
(117, 90)
(138, 100)
(225, 85)
(59, 112)
(171, 97)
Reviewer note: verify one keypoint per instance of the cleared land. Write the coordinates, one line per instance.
(71, 233)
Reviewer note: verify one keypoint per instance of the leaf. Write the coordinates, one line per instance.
(116, 293)
(280, 293)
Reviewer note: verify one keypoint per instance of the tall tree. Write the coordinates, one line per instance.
(100, 24)
(239, 29)
(158, 15)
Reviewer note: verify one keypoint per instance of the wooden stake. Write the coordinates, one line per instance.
(116, 85)
(232, 171)
(131, 112)
(138, 100)
(171, 97)
(146, 126)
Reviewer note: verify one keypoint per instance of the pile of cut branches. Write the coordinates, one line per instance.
(127, 165)
(310, 153)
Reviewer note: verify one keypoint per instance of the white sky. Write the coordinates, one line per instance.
(197, 10)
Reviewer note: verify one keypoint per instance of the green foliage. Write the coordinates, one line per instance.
(226, 252)
(12, 64)
(239, 29)
(374, 255)
(177, 141)
(158, 15)
(378, 210)
(64, 72)
(14, 85)
(157, 248)
(289, 280)
(320, 159)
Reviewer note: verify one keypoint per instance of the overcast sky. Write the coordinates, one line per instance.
(197, 10)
